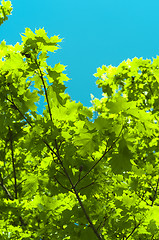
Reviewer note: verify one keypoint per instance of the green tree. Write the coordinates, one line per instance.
(65, 174)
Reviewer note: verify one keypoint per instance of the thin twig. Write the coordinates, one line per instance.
(45, 90)
(5, 189)
(103, 222)
(105, 152)
(133, 230)
(61, 172)
(62, 185)
(155, 193)
(52, 150)
(86, 186)
(16, 108)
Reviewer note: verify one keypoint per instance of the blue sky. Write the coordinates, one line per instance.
(94, 32)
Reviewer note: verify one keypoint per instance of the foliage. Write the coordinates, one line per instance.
(65, 174)
(5, 10)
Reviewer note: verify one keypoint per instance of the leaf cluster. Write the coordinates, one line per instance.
(5, 10)
(65, 174)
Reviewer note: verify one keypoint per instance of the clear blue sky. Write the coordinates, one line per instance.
(95, 32)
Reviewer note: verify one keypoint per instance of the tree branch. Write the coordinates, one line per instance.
(13, 163)
(105, 218)
(86, 186)
(45, 90)
(5, 189)
(16, 108)
(62, 185)
(105, 152)
(133, 230)
(77, 195)
(87, 216)
(155, 193)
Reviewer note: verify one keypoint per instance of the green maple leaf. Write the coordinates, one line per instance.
(121, 162)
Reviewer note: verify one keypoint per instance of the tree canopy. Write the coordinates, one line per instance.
(75, 172)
